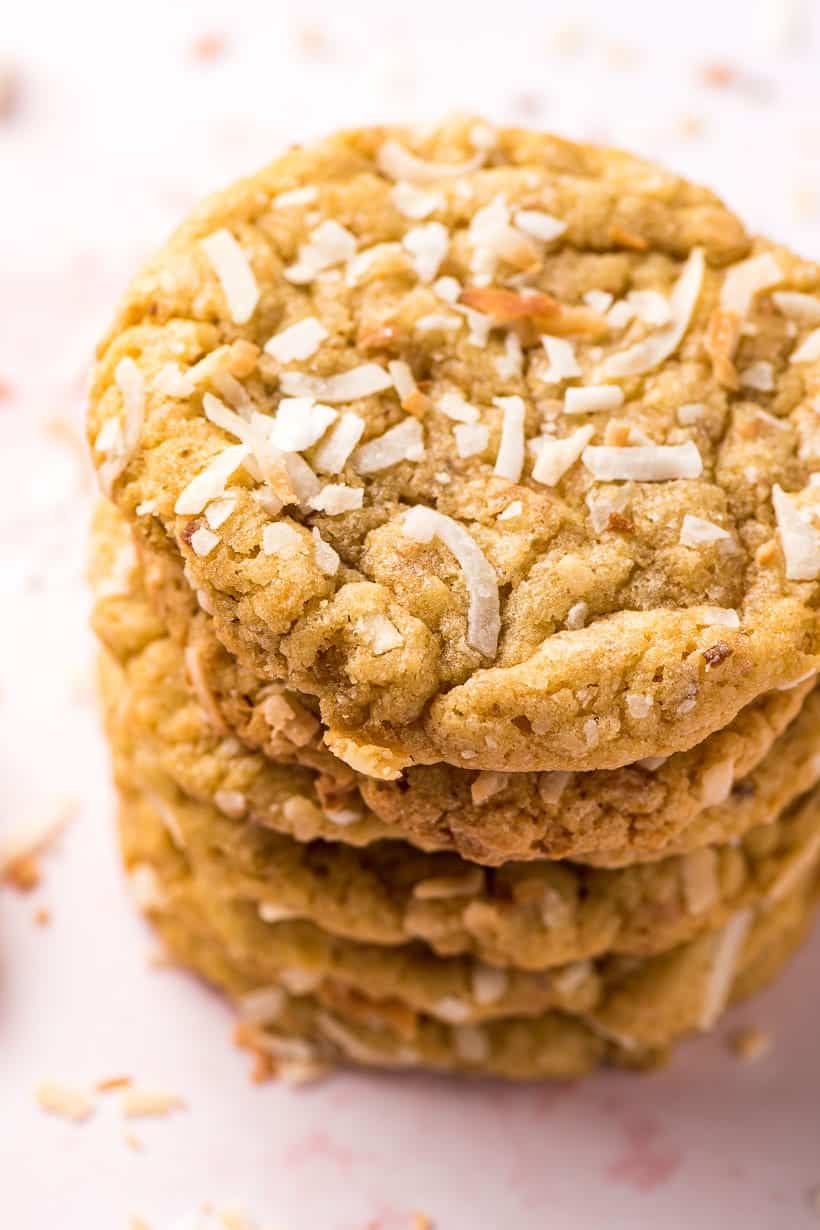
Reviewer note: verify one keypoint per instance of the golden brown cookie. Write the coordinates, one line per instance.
(498, 446)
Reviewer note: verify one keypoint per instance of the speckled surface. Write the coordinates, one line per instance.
(118, 129)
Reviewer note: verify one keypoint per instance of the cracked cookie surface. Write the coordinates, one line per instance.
(501, 452)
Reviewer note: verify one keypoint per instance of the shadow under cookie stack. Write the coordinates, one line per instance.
(457, 589)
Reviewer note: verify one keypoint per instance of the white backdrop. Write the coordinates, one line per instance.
(121, 123)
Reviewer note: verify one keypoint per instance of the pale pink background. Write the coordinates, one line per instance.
(119, 128)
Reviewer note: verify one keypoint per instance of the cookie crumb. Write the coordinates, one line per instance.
(112, 1082)
(133, 1142)
(20, 846)
(10, 89)
(64, 1101)
(209, 46)
(750, 1043)
(137, 1223)
(420, 1221)
(149, 1103)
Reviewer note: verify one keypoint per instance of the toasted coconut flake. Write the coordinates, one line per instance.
(427, 247)
(809, 349)
(403, 379)
(337, 498)
(299, 423)
(487, 785)
(296, 196)
(697, 532)
(399, 164)
(328, 245)
(203, 541)
(728, 944)
(358, 382)
(651, 351)
(298, 341)
(805, 309)
(62, 1100)
(471, 1043)
(556, 457)
(483, 616)
(327, 560)
(539, 225)
(442, 888)
(415, 202)
(488, 983)
(799, 540)
(700, 880)
(510, 460)
(563, 364)
(471, 438)
(592, 398)
(404, 442)
(232, 268)
(280, 539)
(648, 463)
(366, 758)
(333, 453)
(261, 1007)
(139, 1103)
(744, 281)
(210, 483)
(722, 337)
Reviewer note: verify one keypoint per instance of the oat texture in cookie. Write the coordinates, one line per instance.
(418, 471)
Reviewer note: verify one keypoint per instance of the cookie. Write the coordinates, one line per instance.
(525, 915)
(639, 1012)
(500, 451)
(606, 816)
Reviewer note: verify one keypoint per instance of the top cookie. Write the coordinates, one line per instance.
(498, 445)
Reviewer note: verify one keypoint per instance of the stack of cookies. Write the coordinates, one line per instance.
(457, 580)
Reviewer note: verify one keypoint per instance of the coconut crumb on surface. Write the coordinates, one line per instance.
(113, 1082)
(750, 1043)
(139, 1103)
(24, 841)
(64, 1101)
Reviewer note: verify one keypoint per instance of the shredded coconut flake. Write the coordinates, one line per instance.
(799, 540)
(298, 341)
(577, 616)
(415, 202)
(262, 1006)
(219, 510)
(139, 1103)
(358, 382)
(404, 442)
(171, 381)
(337, 498)
(203, 541)
(510, 363)
(232, 268)
(691, 412)
(427, 246)
(556, 457)
(717, 616)
(300, 423)
(489, 983)
(758, 376)
(64, 1101)
(510, 460)
(563, 364)
(327, 560)
(697, 531)
(513, 510)
(232, 802)
(728, 945)
(744, 281)
(486, 786)
(592, 398)
(638, 705)
(399, 164)
(471, 1043)
(332, 454)
(210, 483)
(328, 245)
(648, 463)
(483, 618)
(539, 225)
(652, 350)
(649, 306)
(805, 309)
(296, 196)
(471, 439)
(809, 349)
(599, 300)
(403, 379)
(441, 888)
(699, 880)
(280, 539)
(380, 633)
